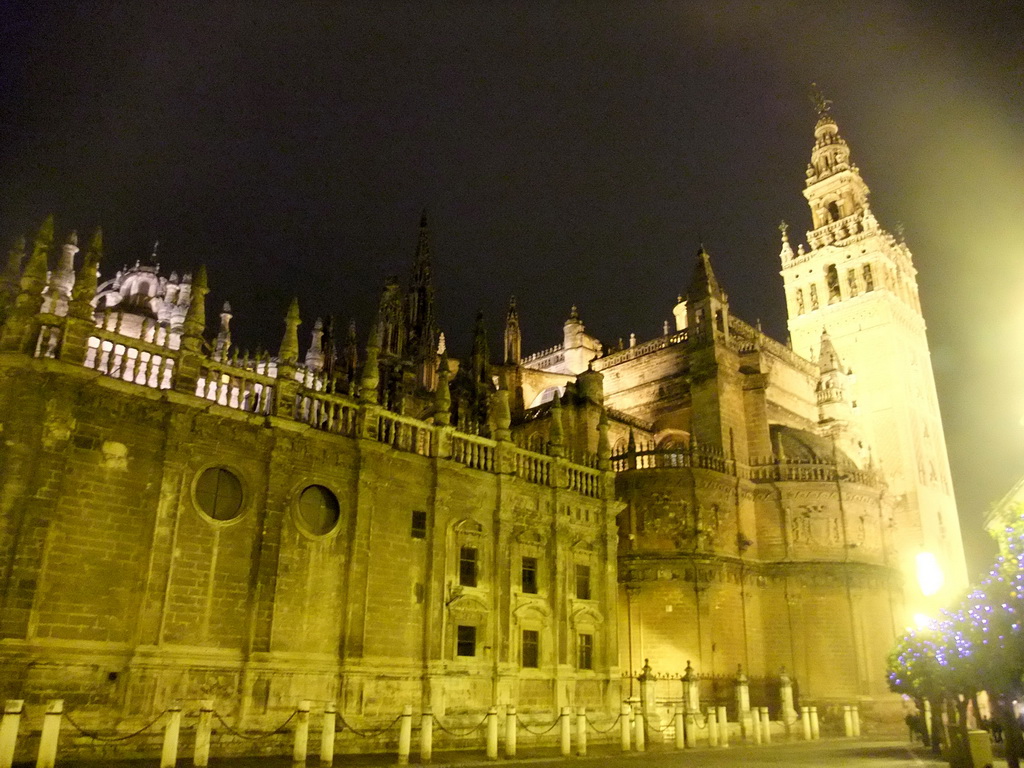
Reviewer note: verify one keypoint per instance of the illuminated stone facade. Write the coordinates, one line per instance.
(386, 524)
(780, 498)
(183, 521)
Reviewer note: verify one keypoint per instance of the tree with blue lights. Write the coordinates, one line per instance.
(978, 645)
(913, 670)
(984, 635)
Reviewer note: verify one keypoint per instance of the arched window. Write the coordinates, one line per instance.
(832, 279)
(833, 211)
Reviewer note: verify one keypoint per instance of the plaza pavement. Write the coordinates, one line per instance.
(859, 753)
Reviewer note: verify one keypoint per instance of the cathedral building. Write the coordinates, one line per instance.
(393, 524)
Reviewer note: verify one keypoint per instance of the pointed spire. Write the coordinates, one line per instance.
(704, 282)
(34, 277)
(513, 336)
(828, 358)
(84, 289)
(289, 352)
(480, 362)
(350, 355)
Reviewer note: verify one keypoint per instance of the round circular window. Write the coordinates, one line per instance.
(218, 493)
(318, 510)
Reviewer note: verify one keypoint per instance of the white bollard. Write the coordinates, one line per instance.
(856, 721)
(581, 732)
(624, 733)
(565, 729)
(847, 721)
(13, 709)
(492, 733)
(201, 752)
(805, 722)
(766, 726)
(815, 731)
(677, 719)
(405, 735)
(755, 725)
(723, 726)
(327, 734)
(169, 753)
(511, 731)
(300, 745)
(426, 736)
(691, 729)
(712, 721)
(47, 756)
(638, 735)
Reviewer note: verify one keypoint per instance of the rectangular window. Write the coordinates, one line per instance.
(531, 648)
(583, 582)
(869, 280)
(585, 651)
(814, 296)
(530, 575)
(468, 566)
(419, 524)
(851, 280)
(466, 642)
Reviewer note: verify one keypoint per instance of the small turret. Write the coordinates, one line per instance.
(315, 353)
(371, 375)
(223, 344)
(707, 305)
(289, 351)
(62, 279)
(195, 319)
(556, 434)
(834, 407)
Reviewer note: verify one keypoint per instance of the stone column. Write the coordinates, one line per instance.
(691, 689)
(327, 734)
(169, 751)
(647, 697)
(511, 732)
(47, 756)
(786, 700)
(13, 709)
(300, 745)
(743, 703)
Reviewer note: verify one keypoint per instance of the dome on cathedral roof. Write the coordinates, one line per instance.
(799, 445)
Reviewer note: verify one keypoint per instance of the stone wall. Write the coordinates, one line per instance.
(121, 594)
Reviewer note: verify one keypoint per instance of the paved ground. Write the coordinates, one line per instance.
(821, 754)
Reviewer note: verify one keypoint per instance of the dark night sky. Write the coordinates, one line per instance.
(567, 153)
